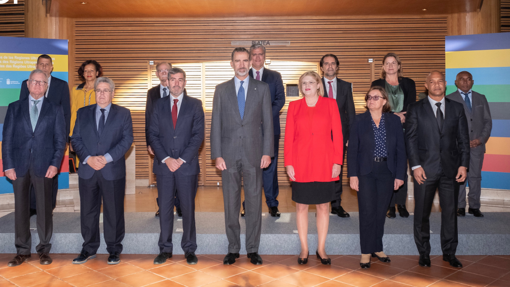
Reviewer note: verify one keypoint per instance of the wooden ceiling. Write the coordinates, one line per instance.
(236, 8)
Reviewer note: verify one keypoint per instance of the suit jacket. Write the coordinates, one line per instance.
(479, 119)
(58, 94)
(408, 87)
(182, 142)
(153, 94)
(274, 80)
(434, 149)
(345, 104)
(22, 147)
(231, 135)
(360, 153)
(313, 145)
(116, 140)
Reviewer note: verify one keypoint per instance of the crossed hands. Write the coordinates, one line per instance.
(97, 162)
(173, 164)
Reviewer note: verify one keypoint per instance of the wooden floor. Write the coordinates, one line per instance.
(277, 271)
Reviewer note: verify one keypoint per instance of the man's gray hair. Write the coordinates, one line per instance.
(104, 80)
(36, 71)
(163, 63)
(174, 71)
(256, 46)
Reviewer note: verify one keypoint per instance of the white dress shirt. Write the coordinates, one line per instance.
(333, 85)
(48, 89)
(162, 92)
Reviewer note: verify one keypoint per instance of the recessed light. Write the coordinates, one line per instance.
(83, 3)
(424, 9)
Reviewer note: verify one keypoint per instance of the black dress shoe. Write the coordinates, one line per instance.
(191, 258)
(114, 258)
(162, 257)
(461, 212)
(364, 265)
(157, 213)
(274, 212)
(18, 259)
(242, 212)
(424, 260)
(452, 260)
(83, 257)
(402, 210)
(45, 259)
(391, 212)
(32, 212)
(342, 213)
(324, 261)
(230, 258)
(382, 259)
(475, 212)
(302, 261)
(255, 258)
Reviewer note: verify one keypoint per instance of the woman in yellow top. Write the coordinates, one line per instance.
(83, 95)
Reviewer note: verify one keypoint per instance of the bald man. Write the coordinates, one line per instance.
(479, 122)
(437, 143)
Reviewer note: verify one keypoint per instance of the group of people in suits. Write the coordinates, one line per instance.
(443, 138)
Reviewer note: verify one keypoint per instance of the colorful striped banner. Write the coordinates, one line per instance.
(487, 58)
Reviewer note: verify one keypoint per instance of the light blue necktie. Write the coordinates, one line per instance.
(468, 101)
(241, 101)
(34, 113)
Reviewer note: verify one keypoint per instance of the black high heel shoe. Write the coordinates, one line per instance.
(325, 261)
(302, 261)
(365, 265)
(382, 259)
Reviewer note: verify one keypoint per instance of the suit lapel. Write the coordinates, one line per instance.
(232, 97)
(111, 117)
(448, 111)
(44, 110)
(265, 74)
(429, 112)
(25, 110)
(93, 114)
(250, 72)
(251, 93)
(183, 111)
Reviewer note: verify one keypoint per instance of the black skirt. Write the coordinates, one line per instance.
(313, 192)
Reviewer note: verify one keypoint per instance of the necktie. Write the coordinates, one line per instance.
(439, 116)
(330, 92)
(174, 112)
(101, 122)
(241, 101)
(34, 113)
(258, 76)
(164, 92)
(468, 101)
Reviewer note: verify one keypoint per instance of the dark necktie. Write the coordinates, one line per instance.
(330, 92)
(101, 122)
(468, 101)
(241, 101)
(258, 76)
(164, 92)
(439, 116)
(174, 112)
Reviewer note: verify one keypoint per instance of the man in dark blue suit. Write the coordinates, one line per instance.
(58, 93)
(34, 141)
(176, 133)
(274, 80)
(102, 135)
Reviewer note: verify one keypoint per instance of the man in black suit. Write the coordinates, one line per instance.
(437, 142)
(341, 91)
(274, 80)
(34, 141)
(58, 93)
(154, 94)
(175, 135)
(102, 135)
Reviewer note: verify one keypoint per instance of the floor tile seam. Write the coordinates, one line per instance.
(487, 275)
(114, 278)
(434, 277)
(460, 283)
(492, 282)
(491, 265)
(219, 279)
(163, 279)
(172, 276)
(461, 270)
(272, 280)
(22, 274)
(305, 270)
(395, 282)
(366, 272)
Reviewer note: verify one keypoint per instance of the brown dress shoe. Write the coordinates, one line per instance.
(18, 259)
(45, 259)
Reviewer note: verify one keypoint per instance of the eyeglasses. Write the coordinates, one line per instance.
(38, 83)
(374, 98)
(161, 71)
(103, 91)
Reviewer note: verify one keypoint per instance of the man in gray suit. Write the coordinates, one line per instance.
(480, 125)
(242, 145)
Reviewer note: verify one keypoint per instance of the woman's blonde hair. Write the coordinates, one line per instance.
(383, 72)
(317, 78)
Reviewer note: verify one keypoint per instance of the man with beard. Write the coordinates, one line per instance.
(242, 145)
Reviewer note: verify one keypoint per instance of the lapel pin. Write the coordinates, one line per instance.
(255, 89)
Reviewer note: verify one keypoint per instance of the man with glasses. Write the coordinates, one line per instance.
(58, 93)
(34, 141)
(102, 135)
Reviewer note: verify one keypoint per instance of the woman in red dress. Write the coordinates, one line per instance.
(313, 156)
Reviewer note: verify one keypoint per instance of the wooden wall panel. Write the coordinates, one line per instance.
(125, 46)
(12, 19)
(505, 15)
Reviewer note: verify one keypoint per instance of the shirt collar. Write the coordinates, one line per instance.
(327, 80)
(462, 93)
(180, 97)
(30, 98)
(107, 108)
(255, 71)
(238, 82)
(433, 102)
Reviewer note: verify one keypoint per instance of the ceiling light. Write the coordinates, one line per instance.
(424, 9)
(83, 3)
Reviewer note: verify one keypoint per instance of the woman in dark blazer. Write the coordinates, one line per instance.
(401, 93)
(377, 166)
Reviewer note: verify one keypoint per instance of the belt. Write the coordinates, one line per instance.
(380, 159)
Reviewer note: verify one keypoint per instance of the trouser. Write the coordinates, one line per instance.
(270, 177)
(170, 187)
(112, 193)
(33, 201)
(374, 196)
(400, 195)
(474, 179)
(337, 202)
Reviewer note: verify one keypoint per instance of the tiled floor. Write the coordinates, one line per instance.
(278, 271)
